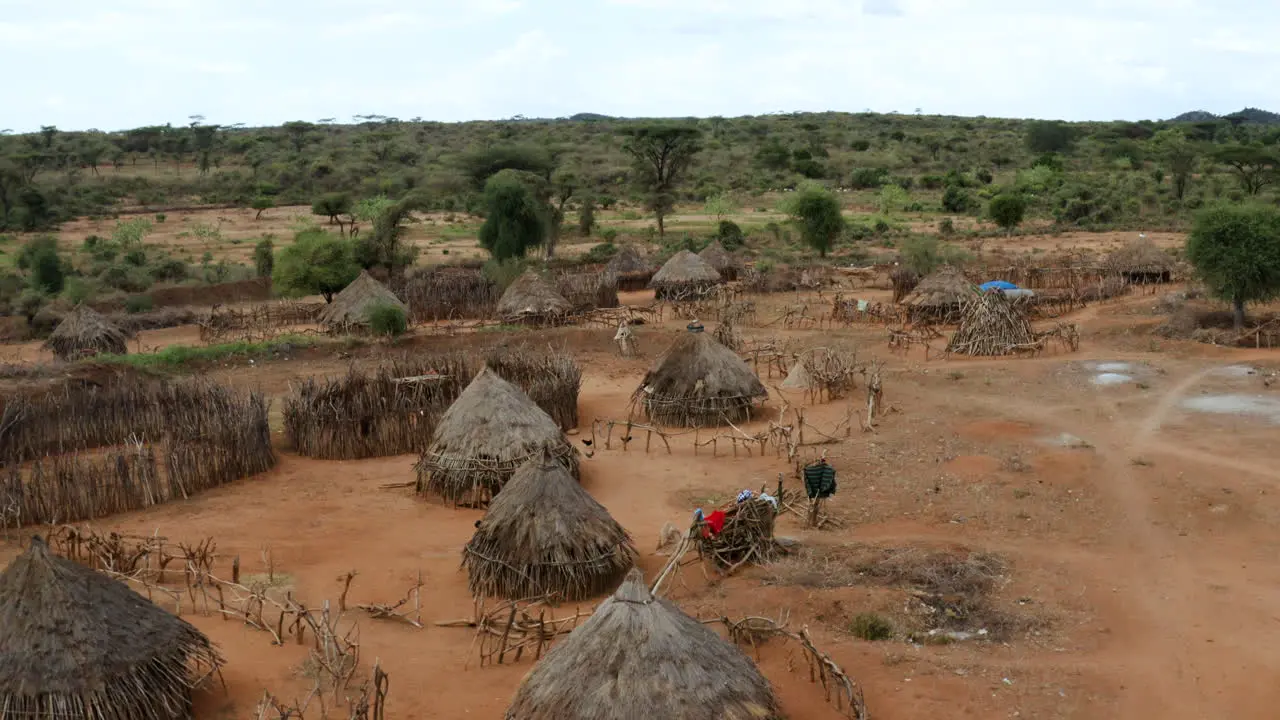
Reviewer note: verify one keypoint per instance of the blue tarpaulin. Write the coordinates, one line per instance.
(997, 285)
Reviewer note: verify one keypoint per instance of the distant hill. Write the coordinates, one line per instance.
(1251, 116)
(590, 116)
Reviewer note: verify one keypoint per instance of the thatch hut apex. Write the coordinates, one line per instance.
(699, 382)
(641, 656)
(75, 643)
(486, 434)
(83, 333)
(532, 300)
(941, 296)
(631, 269)
(684, 277)
(543, 534)
(350, 308)
(722, 260)
(1140, 262)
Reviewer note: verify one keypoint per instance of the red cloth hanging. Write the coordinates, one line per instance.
(715, 524)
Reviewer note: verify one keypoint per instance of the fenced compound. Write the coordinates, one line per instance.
(162, 442)
(1069, 276)
(588, 291)
(848, 311)
(257, 322)
(551, 378)
(443, 293)
(390, 410)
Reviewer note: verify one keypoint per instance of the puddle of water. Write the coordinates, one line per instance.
(1113, 367)
(1111, 378)
(1258, 406)
(1236, 371)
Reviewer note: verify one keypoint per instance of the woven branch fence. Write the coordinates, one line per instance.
(256, 322)
(390, 410)
(449, 294)
(588, 291)
(551, 378)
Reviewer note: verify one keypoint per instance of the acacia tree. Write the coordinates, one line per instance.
(332, 205)
(514, 219)
(1254, 165)
(316, 263)
(1007, 210)
(385, 247)
(661, 153)
(1235, 250)
(1179, 154)
(817, 211)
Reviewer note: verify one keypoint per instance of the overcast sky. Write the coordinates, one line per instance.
(114, 64)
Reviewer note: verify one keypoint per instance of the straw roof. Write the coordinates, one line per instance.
(628, 260)
(350, 308)
(544, 534)
(486, 434)
(685, 268)
(641, 656)
(945, 287)
(1140, 255)
(993, 324)
(84, 332)
(532, 298)
(75, 643)
(698, 381)
(717, 257)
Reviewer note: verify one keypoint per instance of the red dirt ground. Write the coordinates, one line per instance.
(1143, 553)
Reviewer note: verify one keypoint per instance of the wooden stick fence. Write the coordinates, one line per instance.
(511, 628)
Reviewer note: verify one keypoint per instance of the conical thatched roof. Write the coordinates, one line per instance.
(76, 644)
(639, 656)
(628, 260)
(532, 298)
(993, 324)
(84, 332)
(350, 308)
(945, 287)
(486, 434)
(685, 268)
(1140, 256)
(544, 534)
(698, 381)
(717, 257)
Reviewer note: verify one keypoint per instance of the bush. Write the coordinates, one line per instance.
(601, 253)
(860, 145)
(40, 257)
(984, 176)
(77, 291)
(607, 202)
(587, 218)
(137, 303)
(387, 319)
(957, 200)
(1007, 209)
(882, 227)
(264, 257)
(609, 235)
(924, 254)
(947, 227)
(503, 272)
(868, 178)
(871, 627)
(931, 182)
(730, 235)
(906, 182)
(161, 217)
(169, 270)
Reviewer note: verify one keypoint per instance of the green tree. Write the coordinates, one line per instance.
(1179, 155)
(587, 217)
(892, 199)
(1048, 136)
(264, 257)
(483, 163)
(41, 259)
(924, 254)
(956, 199)
(332, 205)
(1254, 165)
(386, 247)
(1235, 250)
(261, 203)
(719, 205)
(661, 154)
(514, 220)
(817, 211)
(316, 263)
(129, 234)
(387, 319)
(297, 132)
(1007, 210)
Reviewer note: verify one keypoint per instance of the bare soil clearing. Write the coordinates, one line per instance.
(1138, 536)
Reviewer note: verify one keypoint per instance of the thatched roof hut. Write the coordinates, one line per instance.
(699, 382)
(84, 332)
(75, 643)
(350, 308)
(486, 434)
(641, 656)
(941, 295)
(993, 324)
(543, 534)
(685, 276)
(1140, 262)
(530, 299)
(631, 269)
(717, 257)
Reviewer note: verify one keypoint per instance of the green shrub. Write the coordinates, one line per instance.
(169, 270)
(601, 253)
(161, 217)
(931, 182)
(957, 200)
(137, 303)
(264, 257)
(860, 146)
(730, 235)
(388, 319)
(609, 235)
(871, 627)
(882, 227)
(868, 178)
(984, 176)
(947, 227)
(77, 290)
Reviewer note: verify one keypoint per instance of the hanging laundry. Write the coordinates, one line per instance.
(770, 499)
(715, 524)
(744, 496)
(862, 306)
(819, 480)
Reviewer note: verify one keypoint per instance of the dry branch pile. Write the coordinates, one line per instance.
(444, 293)
(551, 378)
(390, 410)
(747, 535)
(992, 325)
(84, 333)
